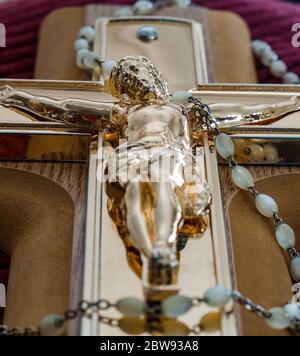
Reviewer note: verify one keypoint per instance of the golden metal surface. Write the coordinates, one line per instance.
(43, 146)
(99, 87)
(136, 80)
(106, 259)
(179, 51)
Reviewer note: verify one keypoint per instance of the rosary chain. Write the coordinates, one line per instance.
(83, 308)
(4, 331)
(250, 306)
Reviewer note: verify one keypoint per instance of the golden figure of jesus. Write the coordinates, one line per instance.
(154, 185)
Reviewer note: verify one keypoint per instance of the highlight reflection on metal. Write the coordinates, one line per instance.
(95, 114)
(230, 115)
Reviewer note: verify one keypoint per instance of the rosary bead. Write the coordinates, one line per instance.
(279, 319)
(266, 205)
(217, 297)
(131, 307)
(211, 323)
(88, 33)
(278, 68)
(107, 67)
(143, 7)
(285, 236)
(80, 56)
(181, 97)
(89, 60)
(268, 56)
(176, 306)
(225, 146)
(259, 47)
(293, 310)
(291, 78)
(123, 12)
(81, 43)
(174, 328)
(132, 326)
(52, 325)
(242, 177)
(183, 3)
(295, 268)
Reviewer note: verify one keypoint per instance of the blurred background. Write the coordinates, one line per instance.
(268, 20)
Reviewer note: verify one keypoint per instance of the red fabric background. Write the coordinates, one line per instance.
(269, 20)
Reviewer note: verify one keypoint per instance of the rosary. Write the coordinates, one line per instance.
(87, 59)
(154, 213)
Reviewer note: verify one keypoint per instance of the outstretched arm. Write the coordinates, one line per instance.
(229, 115)
(69, 111)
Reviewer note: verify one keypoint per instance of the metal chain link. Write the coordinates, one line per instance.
(293, 253)
(250, 306)
(277, 219)
(4, 331)
(83, 309)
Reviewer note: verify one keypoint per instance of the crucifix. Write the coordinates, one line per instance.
(153, 204)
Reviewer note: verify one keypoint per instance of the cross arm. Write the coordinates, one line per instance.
(77, 112)
(230, 115)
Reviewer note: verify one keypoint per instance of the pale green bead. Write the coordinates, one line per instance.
(225, 146)
(183, 3)
(279, 319)
(177, 305)
(81, 43)
(131, 307)
(295, 268)
(278, 68)
(293, 310)
(89, 60)
(217, 297)
(285, 236)
(291, 78)
(143, 7)
(266, 205)
(242, 177)
(88, 33)
(123, 11)
(107, 68)
(52, 325)
(181, 97)
(80, 57)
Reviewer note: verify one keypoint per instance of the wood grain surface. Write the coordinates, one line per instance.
(62, 261)
(259, 266)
